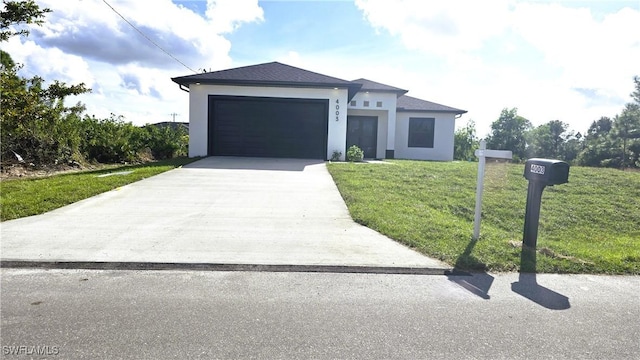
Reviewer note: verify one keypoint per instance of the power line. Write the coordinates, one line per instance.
(148, 38)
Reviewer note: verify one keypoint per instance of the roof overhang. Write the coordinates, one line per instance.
(352, 88)
(458, 112)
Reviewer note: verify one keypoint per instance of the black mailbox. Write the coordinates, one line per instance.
(547, 171)
(540, 173)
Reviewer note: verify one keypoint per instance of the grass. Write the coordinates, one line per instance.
(32, 196)
(590, 225)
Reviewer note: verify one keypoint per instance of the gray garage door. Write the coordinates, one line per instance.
(268, 127)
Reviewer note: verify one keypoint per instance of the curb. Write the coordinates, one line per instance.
(98, 265)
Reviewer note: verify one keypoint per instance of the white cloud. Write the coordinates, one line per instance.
(49, 63)
(227, 15)
(86, 41)
(292, 58)
(441, 27)
(590, 53)
(537, 56)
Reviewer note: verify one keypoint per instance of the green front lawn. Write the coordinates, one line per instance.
(26, 197)
(590, 225)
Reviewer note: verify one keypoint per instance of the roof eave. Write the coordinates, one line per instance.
(352, 89)
(457, 111)
(397, 92)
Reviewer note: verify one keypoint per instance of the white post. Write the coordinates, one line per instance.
(479, 187)
(482, 153)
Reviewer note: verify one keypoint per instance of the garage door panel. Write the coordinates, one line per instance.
(268, 127)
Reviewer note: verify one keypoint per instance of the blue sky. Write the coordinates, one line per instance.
(568, 60)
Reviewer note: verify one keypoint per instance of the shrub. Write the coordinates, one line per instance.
(35, 122)
(336, 155)
(166, 142)
(354, 153)
(111, 140)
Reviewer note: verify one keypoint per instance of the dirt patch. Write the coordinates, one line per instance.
(552, 254)
(16, 171)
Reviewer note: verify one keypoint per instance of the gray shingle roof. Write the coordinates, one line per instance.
(409, 104)
(267, 74)
(273, 72)
(368, 85)
(278, 74)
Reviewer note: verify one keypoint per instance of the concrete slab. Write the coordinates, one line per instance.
(218, 210)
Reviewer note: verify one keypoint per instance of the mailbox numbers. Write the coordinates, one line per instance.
(337, 109)
(537, 169)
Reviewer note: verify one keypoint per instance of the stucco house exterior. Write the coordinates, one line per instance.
(277, 110)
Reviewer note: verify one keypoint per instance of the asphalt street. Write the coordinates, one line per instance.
(118, 314)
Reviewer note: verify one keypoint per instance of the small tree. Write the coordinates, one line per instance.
(166, 142)
(465, 142)
(509, 133)
(35, 121)
(626, 128)
(548, 140)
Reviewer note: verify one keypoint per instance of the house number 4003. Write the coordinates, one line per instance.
(337, 109)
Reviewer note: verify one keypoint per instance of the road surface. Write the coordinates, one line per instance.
(98, 314)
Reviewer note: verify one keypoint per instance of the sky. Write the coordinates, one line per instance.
(569, 60)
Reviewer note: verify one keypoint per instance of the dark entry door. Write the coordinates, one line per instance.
(362, 131)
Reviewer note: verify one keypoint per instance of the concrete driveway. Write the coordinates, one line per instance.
(218, 210)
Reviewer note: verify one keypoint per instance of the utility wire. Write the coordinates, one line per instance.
(148, 38)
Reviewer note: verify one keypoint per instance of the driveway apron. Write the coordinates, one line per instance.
(219, 210)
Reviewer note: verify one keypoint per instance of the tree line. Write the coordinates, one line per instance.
(38, 127)
(609, 142)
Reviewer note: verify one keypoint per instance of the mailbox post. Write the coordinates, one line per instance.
(540, 173)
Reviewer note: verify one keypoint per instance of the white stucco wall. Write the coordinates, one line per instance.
(442, 140)
(199, 105)
(386, 116)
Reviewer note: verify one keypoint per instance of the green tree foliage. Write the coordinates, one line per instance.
(6, 60)
(38, 128)
(36, 123)
(166, 142)
(553, 140)
(626, 128)
(547, 140)
(16, 13)
(615, 142)
(609, 142)
(572, 147)
(635, 95)
(509, 132)
(465, 142)
(597, 144)
(113, 140)
(110, 140)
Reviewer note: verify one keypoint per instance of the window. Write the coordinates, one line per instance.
(365, 104)
(379, 104)
(421, 132)
(353, 103)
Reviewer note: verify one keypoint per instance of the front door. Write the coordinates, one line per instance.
(362, 131)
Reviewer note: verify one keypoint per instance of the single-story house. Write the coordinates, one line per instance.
(277, 110)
